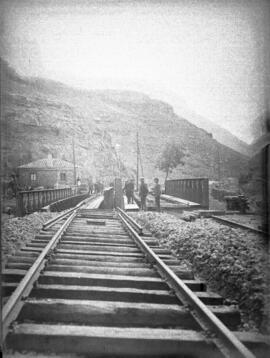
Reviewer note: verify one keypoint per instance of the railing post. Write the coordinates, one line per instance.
(31, 197)
(19, 204)
(205, 191)
(38, 200)
(34, 201)
(118, 198)
(192, 191)
(27, 202)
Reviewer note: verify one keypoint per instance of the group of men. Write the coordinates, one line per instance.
(96, 187)
(143, 192)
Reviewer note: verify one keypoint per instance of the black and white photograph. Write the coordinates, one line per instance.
(135, 178)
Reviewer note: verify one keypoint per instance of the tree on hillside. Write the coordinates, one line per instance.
(172, 156)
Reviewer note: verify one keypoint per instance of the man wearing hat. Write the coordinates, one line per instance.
(143, 191)
(157, 193)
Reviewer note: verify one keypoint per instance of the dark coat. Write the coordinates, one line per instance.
(143, 190)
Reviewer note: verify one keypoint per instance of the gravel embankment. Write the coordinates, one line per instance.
(17, 231)
(232, 261)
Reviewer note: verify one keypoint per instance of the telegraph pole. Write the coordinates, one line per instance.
(140, 156)
(137, 141)
(74, 162)
(219, 166)
(117, 149)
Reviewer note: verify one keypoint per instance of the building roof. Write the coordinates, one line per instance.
(49, 163)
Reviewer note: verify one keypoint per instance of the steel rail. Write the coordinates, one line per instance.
(13, 306)
(133, 223)
(53, 221)
(238, 225)
(215, 330)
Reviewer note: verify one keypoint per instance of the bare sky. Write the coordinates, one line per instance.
(210, 55)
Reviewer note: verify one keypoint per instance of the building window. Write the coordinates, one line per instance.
(33, 176)
(63, 176)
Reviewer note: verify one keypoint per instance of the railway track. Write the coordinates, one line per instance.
(237, 225)
(93, 283)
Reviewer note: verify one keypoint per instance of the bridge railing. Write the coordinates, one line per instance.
(33, 200)
(196, 190)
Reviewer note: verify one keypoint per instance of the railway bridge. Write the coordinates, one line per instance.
(93, 282)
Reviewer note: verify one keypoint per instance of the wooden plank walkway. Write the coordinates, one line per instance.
(180, 201)
(168, 202)
(130, 207)
(95, 203)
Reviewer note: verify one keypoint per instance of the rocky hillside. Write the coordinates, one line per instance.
(41, 117)
(222, 135)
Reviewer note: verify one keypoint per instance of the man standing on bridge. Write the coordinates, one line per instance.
(132, 187)
(157, 193)
(129, 190)
(143, 193)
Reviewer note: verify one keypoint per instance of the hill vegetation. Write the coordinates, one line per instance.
(41, 116)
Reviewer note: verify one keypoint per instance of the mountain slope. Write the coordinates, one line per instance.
(41, 116)
(222, 135)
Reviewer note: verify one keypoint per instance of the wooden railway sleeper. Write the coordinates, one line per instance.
(187, 306)
(226, 342)
(209, 334)
(13, 306)
(51, 253)
(211, 338)
(35, 284)
(171, 293)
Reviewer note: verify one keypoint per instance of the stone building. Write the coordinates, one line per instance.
(47, 173)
